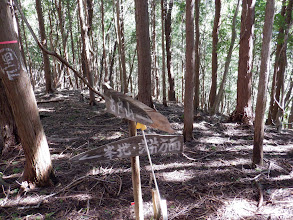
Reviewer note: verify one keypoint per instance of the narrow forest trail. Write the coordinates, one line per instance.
(212, 179)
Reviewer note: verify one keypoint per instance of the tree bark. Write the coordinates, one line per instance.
(213, 90)
(86, 56)
(8, 130)
(189, 77)
(280, 67)
(105, 65)
(121, 46)
(143, 51)
(257, 157)
(271, 115)
(197, 57)
(163, 14)
(171, 81)
(219, 97)
(47, 70)
(38, 168)
(155, 86)
(243, 112)
(71, 38)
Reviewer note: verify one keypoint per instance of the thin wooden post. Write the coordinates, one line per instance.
(135, 170)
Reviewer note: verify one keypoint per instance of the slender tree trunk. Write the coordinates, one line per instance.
(213, 90)
(243, 112)
(271, 115)
(189, 74)
(257, 157)
(112, 64)
(86, 56)
(71, 39)
(280, 67)
(29, 67)
(168, 21)
(47, 70)
(38, 168)
(105, 65)
(155, 88)
(215, 107)
(163, 14)
(197, 57)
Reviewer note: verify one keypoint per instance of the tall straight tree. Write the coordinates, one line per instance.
(189, 73)
(143, 52)
(144, 67)
(257, 157)
(155, 86)
(197, 56)
(243, 112)
(215, 108)
(168, 22)
(38, 167)
(86, 56)
(47, 69)
(121, 45)
(280, 65)
(213, 90)
(163, 14)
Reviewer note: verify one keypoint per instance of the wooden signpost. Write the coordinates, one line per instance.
(124, 106)
(133, 146)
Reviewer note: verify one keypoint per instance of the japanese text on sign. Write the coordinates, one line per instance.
(9, 63)
(135, 146)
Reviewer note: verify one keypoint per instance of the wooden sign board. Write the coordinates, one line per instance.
(133, 146)
(124, 106)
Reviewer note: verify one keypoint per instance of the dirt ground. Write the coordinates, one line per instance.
(212, 179)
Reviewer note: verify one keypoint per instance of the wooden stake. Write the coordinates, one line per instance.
(135, 169)
(156, 204)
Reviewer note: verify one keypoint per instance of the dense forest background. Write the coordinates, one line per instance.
(203, 65)
(112, 43)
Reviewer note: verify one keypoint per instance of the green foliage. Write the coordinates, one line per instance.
(206, 18)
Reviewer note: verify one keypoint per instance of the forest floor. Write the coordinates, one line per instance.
(211, 179)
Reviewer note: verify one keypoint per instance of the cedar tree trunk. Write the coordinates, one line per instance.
(257, 157)
(189, 77)
(243, 112)
(38, 167)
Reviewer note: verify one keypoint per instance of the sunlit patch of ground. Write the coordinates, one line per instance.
(212, 179)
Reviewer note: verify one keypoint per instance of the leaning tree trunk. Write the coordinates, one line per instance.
(243, 112)
(257, 157)
(47, 69)
(38, 168)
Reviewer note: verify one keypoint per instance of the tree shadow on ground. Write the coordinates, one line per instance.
(212, 179)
